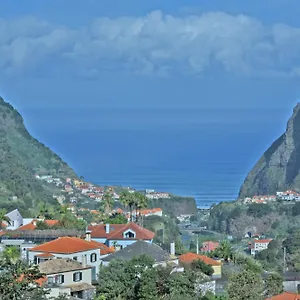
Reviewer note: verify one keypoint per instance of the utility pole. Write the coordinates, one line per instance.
(197, 244)
(284, 259)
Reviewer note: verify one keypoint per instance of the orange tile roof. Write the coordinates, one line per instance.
(45, 255)
(51, 222)
(285, 296)
(103, 248)
(116, 231)
(66, 245)
(31, 226)
(265, 241)
(190, 257)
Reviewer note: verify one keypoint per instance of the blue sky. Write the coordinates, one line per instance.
(58, 54)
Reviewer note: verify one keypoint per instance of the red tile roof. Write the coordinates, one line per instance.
(51, 222)
(285, 296)
(67, 245)
(265, 241)
(45, 255)
(31, 226)
(116, 231)
(103, 248)
(209, 246)
(190, 257)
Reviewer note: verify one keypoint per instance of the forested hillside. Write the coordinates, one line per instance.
(21, 157)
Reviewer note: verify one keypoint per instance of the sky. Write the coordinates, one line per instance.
(114, 54)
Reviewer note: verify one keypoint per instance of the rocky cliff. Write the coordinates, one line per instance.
(279, 167)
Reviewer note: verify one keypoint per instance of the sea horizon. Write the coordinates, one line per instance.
(200, 153)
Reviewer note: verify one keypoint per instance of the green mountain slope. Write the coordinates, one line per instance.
(22, 156)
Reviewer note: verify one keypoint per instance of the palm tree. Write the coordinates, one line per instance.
(107, 202)
(3, 217)
(140, 203)
(128, 200)
(224, 251)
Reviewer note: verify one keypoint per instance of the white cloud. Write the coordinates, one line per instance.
(153, 44)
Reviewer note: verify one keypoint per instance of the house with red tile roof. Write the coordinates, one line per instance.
(209, 246)
(84, 251)
(32, 224)
(259, 245)
(285, 296)
(188, 258)
(120, 235)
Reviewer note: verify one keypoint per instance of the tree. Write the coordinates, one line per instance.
(274, 285)
(224, 251)
(115, 218)
(296, 209)
(140, 203)
(107, 202)
(11, 254)
(128, 200)
(18, 281)
(199, 265)
(40, 225)
(245, 285)
(3, 217)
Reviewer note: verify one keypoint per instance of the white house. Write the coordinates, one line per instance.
(120, 235)
(16, 220)
(67, 276)
(259, 245)
(73, 248)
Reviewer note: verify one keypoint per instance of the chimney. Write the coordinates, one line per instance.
(172, 249)
(107, 228)
(84, 261)
(88, 235)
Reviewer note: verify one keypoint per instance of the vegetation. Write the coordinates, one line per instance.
(175, 205)
(138, 279)
(246, 285)
(21, 156)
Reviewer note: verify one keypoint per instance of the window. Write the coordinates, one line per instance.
(61, 279)
(93, 257)
(77, 276)
(129, 234)
(50, 279)
(75, 258)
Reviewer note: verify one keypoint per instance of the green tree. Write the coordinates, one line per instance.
(115, 218)
(107, 202)
(18, 281)
(11, 254)
(199, 265)
(274, 285)
(296, 209)
(3, 217)
(246, 285)
(128, 200)
(40, 225)
(224, 251)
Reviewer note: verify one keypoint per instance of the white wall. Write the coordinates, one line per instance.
(96, 264)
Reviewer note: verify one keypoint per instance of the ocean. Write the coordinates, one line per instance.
(202, 153)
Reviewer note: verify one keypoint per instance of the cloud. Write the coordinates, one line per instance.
(155, 44)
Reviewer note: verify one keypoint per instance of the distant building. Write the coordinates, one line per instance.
(189, 257)
(120, 235)
(16, 220)
(259, 245)
(209, 246)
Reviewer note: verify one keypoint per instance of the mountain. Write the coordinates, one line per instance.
(21, 157)
(279, 167)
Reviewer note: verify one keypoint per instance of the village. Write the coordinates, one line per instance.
(71, 258)
(288, 195)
